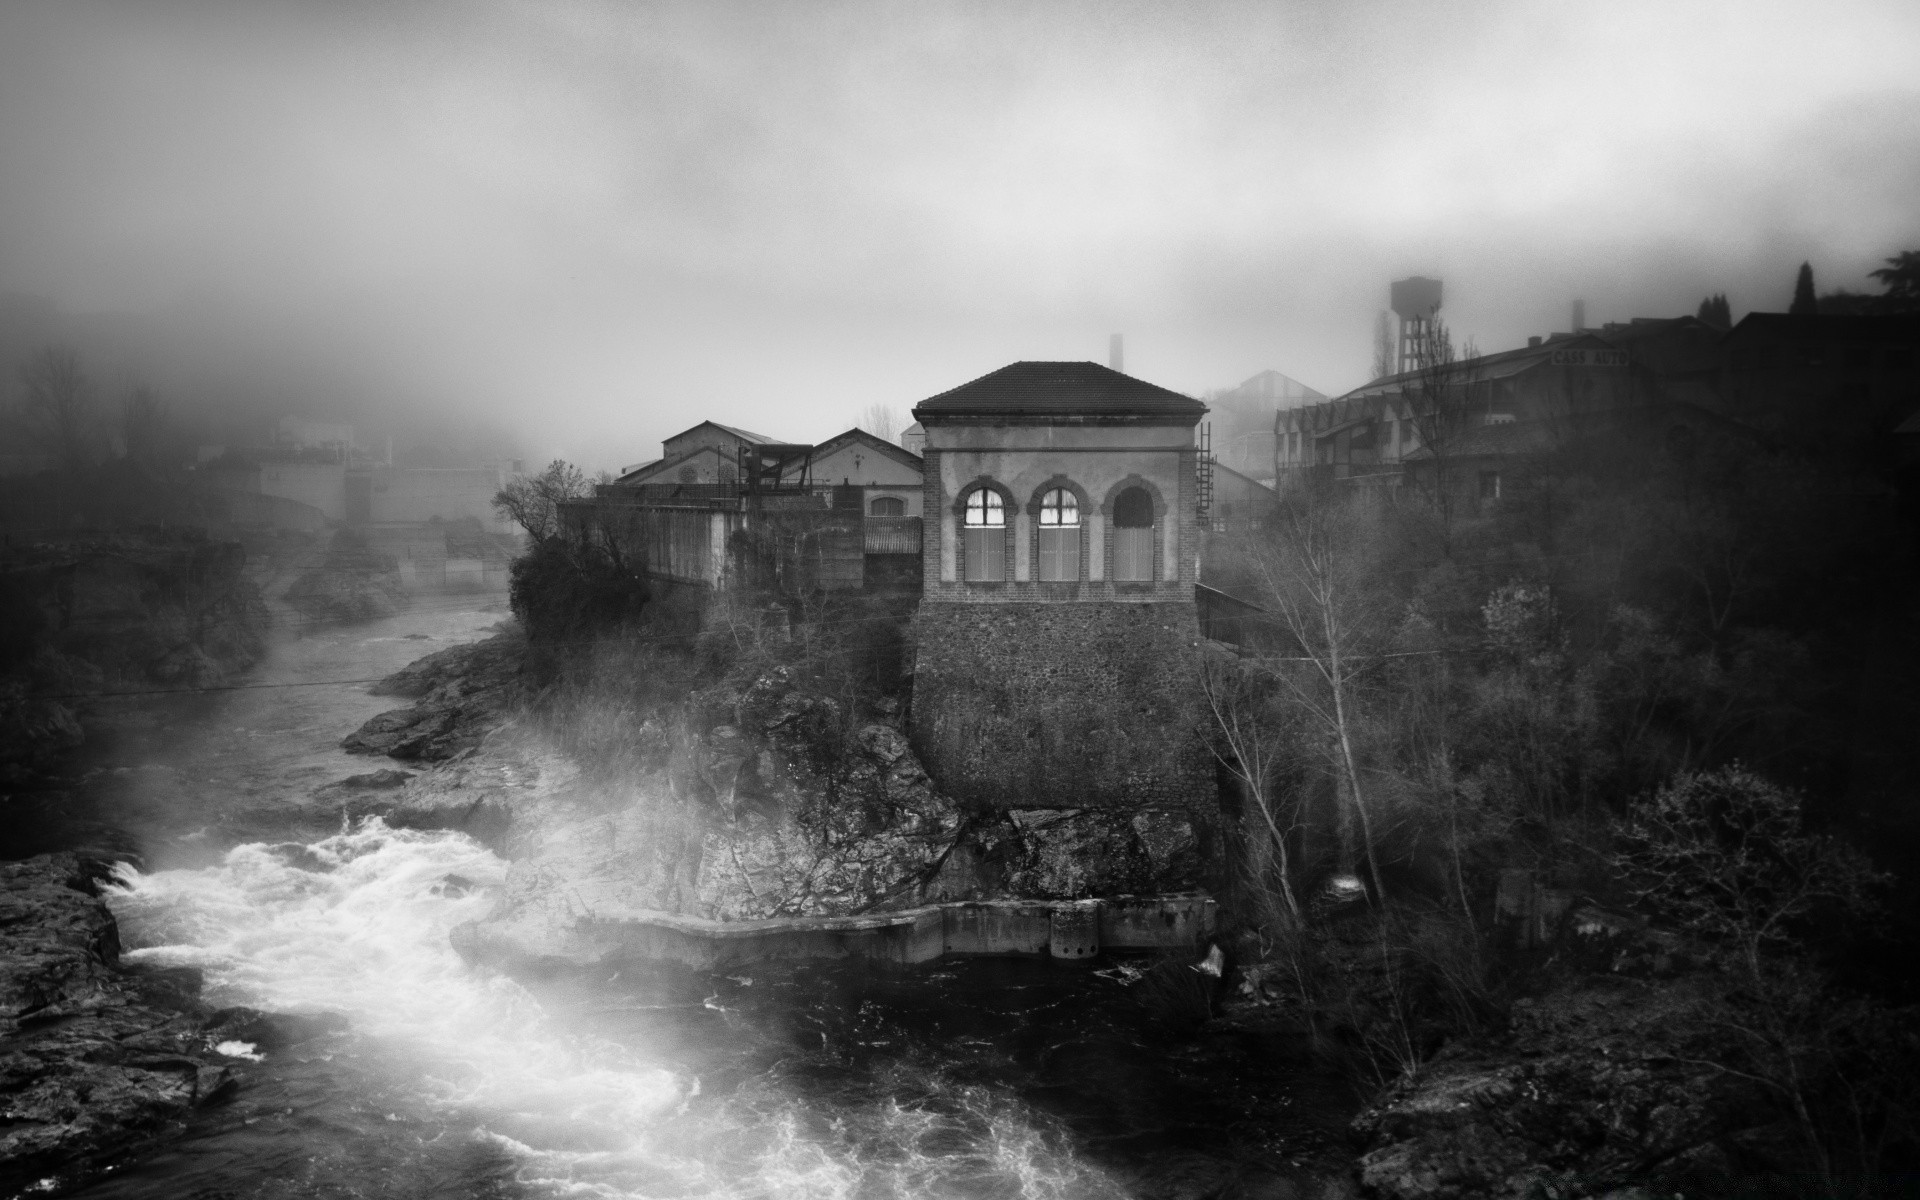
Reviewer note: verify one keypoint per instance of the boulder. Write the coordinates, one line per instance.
(95, 1061)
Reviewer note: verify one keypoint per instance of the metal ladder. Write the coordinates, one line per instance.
(1203, 470)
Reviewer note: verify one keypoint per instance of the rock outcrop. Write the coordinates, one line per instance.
(460, 695)
(353, 582)
(95, 1060)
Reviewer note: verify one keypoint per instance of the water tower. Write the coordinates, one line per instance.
(1415, 301)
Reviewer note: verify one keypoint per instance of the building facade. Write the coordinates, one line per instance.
(1057, 636)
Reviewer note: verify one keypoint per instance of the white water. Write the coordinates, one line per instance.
(358, 924)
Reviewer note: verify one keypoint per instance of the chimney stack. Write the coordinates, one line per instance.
(1579, 315)
(1115, 358)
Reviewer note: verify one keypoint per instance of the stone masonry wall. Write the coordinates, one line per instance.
(1063, 705)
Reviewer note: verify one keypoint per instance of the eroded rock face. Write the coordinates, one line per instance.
(94, 1060)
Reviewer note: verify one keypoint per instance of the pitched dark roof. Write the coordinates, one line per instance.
(1059, 389)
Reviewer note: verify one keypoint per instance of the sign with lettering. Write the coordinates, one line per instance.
(1589, 358)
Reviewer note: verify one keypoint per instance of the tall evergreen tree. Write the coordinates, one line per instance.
(1803, 298)
(1715, 311)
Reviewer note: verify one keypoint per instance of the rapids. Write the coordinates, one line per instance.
(985, 1078)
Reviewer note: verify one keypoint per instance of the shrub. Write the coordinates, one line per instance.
(573, 592)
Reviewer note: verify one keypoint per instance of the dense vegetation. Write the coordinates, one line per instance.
(1663, 675)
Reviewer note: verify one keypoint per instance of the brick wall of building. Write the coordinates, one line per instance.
(1019, 705)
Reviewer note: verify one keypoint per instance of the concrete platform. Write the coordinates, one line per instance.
(1070, 930)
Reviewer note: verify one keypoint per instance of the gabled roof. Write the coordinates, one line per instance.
(857, 434)
(744, 435)
(1059, 389)
(1268, 388)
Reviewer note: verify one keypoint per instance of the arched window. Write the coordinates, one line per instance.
(1059, 536)
(887, 506)
(1133, 536)
(985, 528)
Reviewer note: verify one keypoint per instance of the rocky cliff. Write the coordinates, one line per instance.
(757, 794)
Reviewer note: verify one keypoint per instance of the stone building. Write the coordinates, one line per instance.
(1056, 635)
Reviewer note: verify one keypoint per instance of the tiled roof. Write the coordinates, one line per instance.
(1059, 388)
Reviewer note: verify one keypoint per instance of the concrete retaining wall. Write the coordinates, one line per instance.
(1067, 929)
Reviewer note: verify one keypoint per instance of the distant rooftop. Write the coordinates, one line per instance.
(1062, 389)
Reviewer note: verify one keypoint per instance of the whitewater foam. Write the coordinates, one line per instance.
(358, 924)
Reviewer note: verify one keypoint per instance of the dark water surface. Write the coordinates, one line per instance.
(981, 1078)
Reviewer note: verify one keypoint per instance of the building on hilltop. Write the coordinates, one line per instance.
(1056, 635)
(1052, 531)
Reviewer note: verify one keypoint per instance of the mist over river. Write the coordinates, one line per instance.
(978, 1078)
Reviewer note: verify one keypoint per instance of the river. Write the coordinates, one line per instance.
(984, 1078)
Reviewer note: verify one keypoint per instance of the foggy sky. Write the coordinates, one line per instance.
(596, 224)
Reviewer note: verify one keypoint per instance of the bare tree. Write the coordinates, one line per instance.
(882, 421)
(58, 404)
(1382, 347)
(1241, 699)
(533, 501)
(1439, 403)
(1317, 575)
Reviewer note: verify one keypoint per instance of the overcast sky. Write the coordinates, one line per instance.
(599, 223)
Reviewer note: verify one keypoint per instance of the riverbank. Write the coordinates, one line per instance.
(704, 818)
(1556, 1086)
(1127, 1076)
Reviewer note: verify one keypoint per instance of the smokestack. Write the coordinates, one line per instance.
(1115, 358)
(1579, 315)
